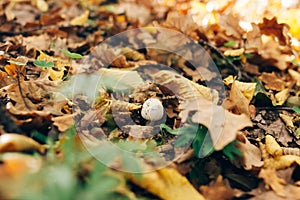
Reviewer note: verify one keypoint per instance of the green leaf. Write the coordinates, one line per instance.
(43, 63)
(202, 144)
(72, 55)
(231, 151)
(230, 44)
(296, 109)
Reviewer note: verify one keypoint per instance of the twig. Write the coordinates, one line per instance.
(275, 108)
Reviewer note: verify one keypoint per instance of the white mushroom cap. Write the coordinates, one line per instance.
(152, 109)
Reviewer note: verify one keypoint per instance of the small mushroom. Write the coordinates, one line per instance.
(152, 109)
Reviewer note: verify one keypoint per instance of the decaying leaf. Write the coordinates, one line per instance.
(167, 183)
(222, 125)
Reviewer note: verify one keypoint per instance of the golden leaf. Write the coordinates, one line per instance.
(16, 142)
(272, 180)
(167, 183)
(80, 20)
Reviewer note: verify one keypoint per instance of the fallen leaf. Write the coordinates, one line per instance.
(281, 97)
(288, 120)
(251, 154)
(220, 189)
(295, 75)
(183, 23)
(247, 89)
(117, 80)
(230, 24)
(271, 27)
(183, 87)
(40, 4)
(222, 125)
(64, 122)
(272, 82)
(15, 142)
(166, 183)
(234, 52)
(272, 180)
(253, 42)
(80, 20)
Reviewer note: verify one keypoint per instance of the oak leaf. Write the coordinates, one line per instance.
(222, 125)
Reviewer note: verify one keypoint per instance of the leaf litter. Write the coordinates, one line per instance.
(239, 143)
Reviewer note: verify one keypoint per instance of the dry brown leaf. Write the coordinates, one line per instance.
(183, 23)
(64, 122)
(220, 189)
(251, 154)
(239, 100)
(272, 180)
(222, 125)
(272, 82)
(230, 24)
(271, 27)
(253, 42)
(183, 87)
(247, 89)
(273, 54)
(167, 183)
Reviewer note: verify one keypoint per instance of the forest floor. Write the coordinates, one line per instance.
(136, 99)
